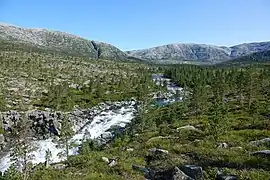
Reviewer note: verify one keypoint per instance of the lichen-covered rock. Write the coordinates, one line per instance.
(180, 175)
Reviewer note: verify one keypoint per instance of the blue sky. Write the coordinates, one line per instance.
(137, 24)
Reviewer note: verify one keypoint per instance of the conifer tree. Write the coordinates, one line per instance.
(65, 135)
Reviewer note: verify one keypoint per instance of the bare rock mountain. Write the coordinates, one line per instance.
(197, 52)
(60, 41)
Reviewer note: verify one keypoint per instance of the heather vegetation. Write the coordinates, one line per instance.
(223, 112)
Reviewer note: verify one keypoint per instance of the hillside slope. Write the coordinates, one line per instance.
(172, 53)
(60, 41)
(258, 57)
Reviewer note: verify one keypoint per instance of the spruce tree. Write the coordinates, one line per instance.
(65, 135)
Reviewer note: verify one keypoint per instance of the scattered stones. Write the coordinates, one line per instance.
(222, 145)
(110, 162)
(265, 141)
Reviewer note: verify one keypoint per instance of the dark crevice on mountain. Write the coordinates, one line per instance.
(97, 48)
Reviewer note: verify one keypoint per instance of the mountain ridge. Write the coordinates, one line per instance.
(261, 57)
(177, 53)
(198, 52)
(66, 42)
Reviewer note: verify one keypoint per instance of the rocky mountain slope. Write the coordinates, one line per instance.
(60, 41)
(173, 53)
(262, 57)
(56, 41)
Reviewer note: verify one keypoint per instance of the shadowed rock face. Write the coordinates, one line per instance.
(197, 52)
(60, 41)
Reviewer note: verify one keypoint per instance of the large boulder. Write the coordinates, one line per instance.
(262, 153)
(10, 118)
(45, 123)
(180, 175)
(265, 142)
(193, 171)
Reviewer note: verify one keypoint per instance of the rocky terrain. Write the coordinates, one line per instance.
(60, 41)
(196, 53)
(258, 57)
(101, 123)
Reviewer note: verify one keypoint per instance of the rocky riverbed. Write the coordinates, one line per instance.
(92, 123)
(100, 123)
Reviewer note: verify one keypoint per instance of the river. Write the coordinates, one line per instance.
(100, 124)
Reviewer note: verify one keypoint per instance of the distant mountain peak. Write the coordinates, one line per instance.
(180, 52)
(62, 41)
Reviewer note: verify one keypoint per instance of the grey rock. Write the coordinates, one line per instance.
(10, 118)
(105, 159)
(60, 166)
(265, 141)
(45, 123)
(177, 53)
(239, 148)
(188, 127)
(2, 142)
(193, 171)
(223, 145)
(141, 169)
(156, 150)
(227, 177)
(262, 153)
(221, 176)
(60, 42)
(180, 175)
(130, 149)
(2, 139)
(112, 162)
